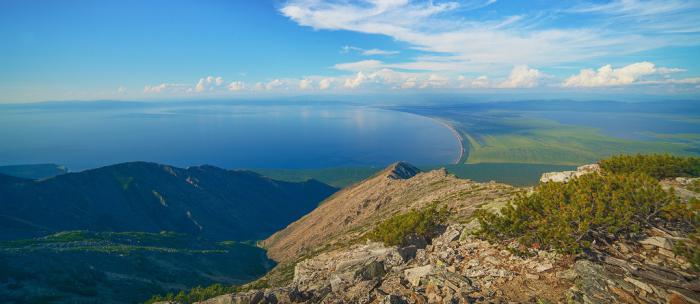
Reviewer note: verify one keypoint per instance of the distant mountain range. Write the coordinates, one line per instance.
(203, 201)
(36, 171)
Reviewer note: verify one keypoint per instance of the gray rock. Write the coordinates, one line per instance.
(373, 270)
(393, 299)
(414, 275)
(416, 240)
(658, 241)
(408, 252)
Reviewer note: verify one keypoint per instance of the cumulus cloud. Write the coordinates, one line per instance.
(521, 76)
(435, 81)
(305, 84)
(165, 87)
(356, 81)
(274, 84)
(236, 86)
(609, 76)
(325, 84)
(209, 83)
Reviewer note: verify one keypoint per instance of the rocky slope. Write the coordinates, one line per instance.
(352, 211)
(456, 267)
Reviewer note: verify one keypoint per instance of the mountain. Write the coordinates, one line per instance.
(354, 210)
(328, 256)
(120, 267)
(204, 201)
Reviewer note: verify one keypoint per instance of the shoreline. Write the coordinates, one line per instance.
(462, 150)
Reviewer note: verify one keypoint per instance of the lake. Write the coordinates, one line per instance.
(85, 135)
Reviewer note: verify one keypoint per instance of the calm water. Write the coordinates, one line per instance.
(88, 135)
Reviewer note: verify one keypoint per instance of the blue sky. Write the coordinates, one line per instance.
(139, 50)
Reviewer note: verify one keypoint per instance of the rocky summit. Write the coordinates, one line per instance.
(456, 266)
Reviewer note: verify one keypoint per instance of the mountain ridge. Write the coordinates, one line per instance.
(143, 196)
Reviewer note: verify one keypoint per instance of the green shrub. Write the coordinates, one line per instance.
(422, 222)
(570, 216)
(658, 166)
(195, 294)
(691, 249)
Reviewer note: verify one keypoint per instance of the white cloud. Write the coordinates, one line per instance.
(363, 65)
(367, 52)
(459, 44)
(305, 84)
(236, 86)
(325, 83)
(372, 52)
(609, 76)
(121, 90)
(209, 83)
(521, 77)
(274, 84)
(435, 81)
(165, 87)
(355, 82)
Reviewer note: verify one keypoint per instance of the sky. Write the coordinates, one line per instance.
(143, 50)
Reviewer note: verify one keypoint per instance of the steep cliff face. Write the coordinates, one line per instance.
(350, 213)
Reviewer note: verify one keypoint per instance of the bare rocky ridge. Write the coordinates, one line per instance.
(457, 267)
(354, 210)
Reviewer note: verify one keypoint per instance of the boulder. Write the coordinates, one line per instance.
(414, 275)
(565, 176)
(658, 241)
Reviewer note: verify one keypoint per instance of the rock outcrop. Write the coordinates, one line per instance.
(351, 212)
(565, 176)
(456, 266)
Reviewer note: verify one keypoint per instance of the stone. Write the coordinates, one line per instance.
(543, 267)
(408, 252)
(373, 270)
(657, 241)
(530, 276)
(414, 275)
(569, 274)
(492, 260)
(393, 299)
(223, 299)
(450, 234)
(416, 240)
(667, 252)
(565, 176)
(623, 296)
(641, 285)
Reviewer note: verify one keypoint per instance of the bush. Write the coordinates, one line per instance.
(659, 166)
(569, 217)
(423, 222)
(691, 248)
(195, 294)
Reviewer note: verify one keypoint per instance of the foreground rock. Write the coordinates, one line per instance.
(565, 176)
(455, 266)
(468, 270)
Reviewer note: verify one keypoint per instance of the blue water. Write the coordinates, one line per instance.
(228, 135)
